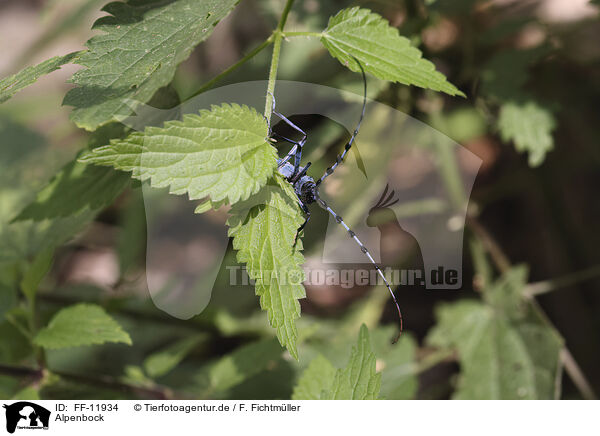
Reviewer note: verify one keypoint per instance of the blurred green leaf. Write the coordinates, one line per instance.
(30, 393)
(517, 359)
(15, 83)
(381, 50)
(237, 366)
(316, 378)
(160, 363)
(263, 230)
(359, 380)
(223, 153)
(530, 127)
(79, 325)
(75, 188)
(138, 52)
(397, 364)
(35, 272)
(8, 299)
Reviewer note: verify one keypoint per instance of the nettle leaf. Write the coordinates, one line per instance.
(223, 153)
(263, 230)
(15, 83)
(359, 380)
(79, 325)
(162, 362)
(75, 188)
(368, 37)
(517, 358)
(530, 127)
(316, 378)
(238, 366)
(141, 45)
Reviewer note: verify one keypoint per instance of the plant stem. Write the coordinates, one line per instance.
(277, 37)
(158, 392)
(550, 285)
(234, 67)
(308, 34)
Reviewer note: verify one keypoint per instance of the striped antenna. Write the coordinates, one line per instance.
(341, 157)
(364, 249)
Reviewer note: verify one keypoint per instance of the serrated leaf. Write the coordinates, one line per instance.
(530, 127)
(79, 325)
(238, 366)
(15, 83)
(316, 378)
(141, 45)
(263, 230)
(359, 380)
(499, 358)
(162, 362)
(222, 153)
(381, 50)
(75, 188)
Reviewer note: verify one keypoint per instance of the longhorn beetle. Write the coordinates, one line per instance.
(307, 190)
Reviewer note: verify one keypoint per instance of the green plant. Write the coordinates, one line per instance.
(503, 337)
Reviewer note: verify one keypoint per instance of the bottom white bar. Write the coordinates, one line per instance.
(299, 417)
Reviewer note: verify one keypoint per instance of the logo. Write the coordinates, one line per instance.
(26, 415)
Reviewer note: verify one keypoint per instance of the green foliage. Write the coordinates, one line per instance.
(162, 362)
(263, 230)
(357, 381)
(317, 377)
(79, 325)
(35, 272)
(222, 153)
(13, 84)
(530, 127)
(76, 188)
(137, 54)
(361, 34)
(238, 366)
(504, 354)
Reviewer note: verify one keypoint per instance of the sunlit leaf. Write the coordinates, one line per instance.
(82, 324)
(137, 53)
(382, 51)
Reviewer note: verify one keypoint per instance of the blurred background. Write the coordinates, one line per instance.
(534, 201)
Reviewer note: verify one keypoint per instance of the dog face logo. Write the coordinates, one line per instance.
(26, 415)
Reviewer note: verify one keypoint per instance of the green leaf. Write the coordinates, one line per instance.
(238, 366)
(499, 358)
(314, 380)
(79, 325)
(75, 188)
(141, 45)
(8, 299)
(36, 271)
(263, 230)
(359, 380)
(13, 84)
(396, 363)
(222, 153)
(368, 37)
(530, 127)
(159, 364)
(31, 393)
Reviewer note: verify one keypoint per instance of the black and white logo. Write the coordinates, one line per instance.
(26, 416)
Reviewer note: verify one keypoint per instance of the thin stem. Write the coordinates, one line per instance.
(575, 373)
(208, 85)
(308, 34)
(277, 37)
(550, 285)
(158, 392)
